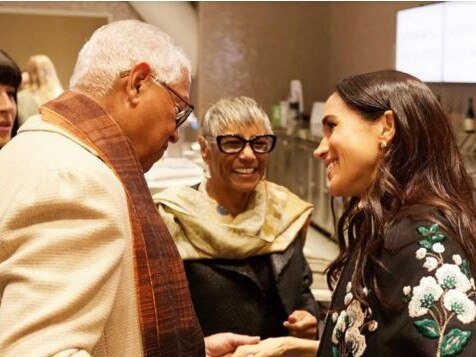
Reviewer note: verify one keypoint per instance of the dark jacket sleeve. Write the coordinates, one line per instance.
(308, 302)
(295, 279)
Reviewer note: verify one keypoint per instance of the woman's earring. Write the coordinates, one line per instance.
(383, 145)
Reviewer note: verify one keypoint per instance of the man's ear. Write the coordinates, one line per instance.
(136, 78)
(204, 148)
(388, 127)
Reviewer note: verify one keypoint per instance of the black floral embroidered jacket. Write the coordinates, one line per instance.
(429, 281)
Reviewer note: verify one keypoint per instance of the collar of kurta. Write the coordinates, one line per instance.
(168, 322)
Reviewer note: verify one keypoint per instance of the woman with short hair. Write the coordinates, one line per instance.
(241, 237)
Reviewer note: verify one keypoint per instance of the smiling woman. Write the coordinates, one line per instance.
(10, 78)
(350, 170)
(404, 278)
(241, 237)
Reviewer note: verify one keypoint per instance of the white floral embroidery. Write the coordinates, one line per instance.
(424, 296)
(340, 327)
(458, 302)
(355, 315)
(348, 298)
(407, 290)
(450, 277)
(421, 253)
(438, 248)
(452, 286)
(348, 287)
(457, 259)
(430, 263)
(348, 334)
(373, 325)
(355, 342)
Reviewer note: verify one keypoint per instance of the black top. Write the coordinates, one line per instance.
(250, 296)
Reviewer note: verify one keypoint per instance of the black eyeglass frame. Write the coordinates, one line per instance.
(183, 114)
(244, 141)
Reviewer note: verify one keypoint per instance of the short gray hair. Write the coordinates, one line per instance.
(119, 46)
(233, 112)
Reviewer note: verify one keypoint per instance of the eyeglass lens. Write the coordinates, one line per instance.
(183, 115)
(232, 144)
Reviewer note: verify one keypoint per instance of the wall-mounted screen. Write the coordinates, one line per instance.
(437, 43)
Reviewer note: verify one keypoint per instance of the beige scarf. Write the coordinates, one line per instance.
(270, 224)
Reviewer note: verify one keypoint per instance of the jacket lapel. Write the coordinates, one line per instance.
(280, 260)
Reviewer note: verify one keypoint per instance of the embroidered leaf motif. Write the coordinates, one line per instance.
(454, 342)
(428, 328)
(438, 237)
(335, 351)
(431, 234)
(423, 231)
(465, 268)
(425, 244)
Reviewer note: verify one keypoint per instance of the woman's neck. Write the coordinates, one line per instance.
(230, 202)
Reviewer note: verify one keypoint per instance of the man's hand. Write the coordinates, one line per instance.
(302, 324)
(224, 344)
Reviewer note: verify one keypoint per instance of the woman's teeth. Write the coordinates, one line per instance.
(244, 170)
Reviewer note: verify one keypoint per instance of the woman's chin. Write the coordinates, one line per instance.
(336, 190)
(246, 187)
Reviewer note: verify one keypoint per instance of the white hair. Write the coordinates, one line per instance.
(120, 45)
(236, 112)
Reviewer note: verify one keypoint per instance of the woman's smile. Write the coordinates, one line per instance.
(244, 170)
(331, 165)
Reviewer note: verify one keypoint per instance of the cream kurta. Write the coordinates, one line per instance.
(66, 266)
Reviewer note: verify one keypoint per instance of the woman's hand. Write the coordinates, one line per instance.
(279, 347)
(302, 324)
(224, 344)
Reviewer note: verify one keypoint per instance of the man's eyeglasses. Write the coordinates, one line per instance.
(182, 114)
(233, 144)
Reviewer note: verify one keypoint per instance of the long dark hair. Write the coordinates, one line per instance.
(10, 75)
(421, 166)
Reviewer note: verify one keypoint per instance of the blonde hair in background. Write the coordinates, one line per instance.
(43, 85)
(119, 46)
(43, 79)
(234, 112)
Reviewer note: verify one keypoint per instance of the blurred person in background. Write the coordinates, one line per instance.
(25, 80)
(43, 85)
(241, 237)
(10, 79)
(87, 266)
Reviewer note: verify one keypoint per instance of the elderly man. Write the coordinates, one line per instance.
(87, 267)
